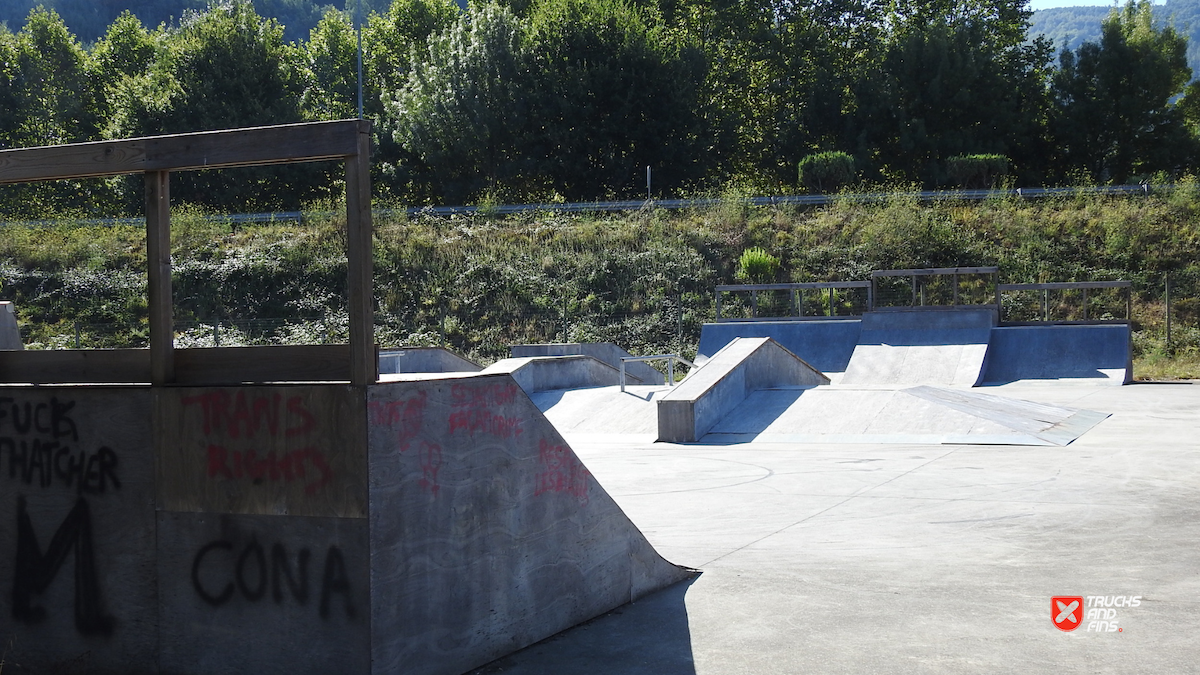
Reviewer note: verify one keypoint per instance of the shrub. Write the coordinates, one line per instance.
(757, 265)
(826, 171)
(976, 171)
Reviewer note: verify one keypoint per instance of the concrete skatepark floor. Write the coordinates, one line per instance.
(909, 558)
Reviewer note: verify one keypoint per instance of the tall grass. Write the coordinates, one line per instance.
(642, 279)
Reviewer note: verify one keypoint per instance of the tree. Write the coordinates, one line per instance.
(1112, 113)
(462, 110)
(614, 91)
(49, 96)
(224, 68)
(953, 80)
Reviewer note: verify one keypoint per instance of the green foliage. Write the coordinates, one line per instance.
(826, 171)
(1112, 112)
(976, 171)
(757, 265)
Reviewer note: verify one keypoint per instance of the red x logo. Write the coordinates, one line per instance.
(1066, 611)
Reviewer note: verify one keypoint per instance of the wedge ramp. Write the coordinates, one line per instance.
(716, 388)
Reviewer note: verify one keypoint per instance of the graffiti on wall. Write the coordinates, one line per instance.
(223, 571)
(40, 448)
(240, 427)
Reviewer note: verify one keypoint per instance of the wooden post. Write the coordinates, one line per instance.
(158, 259)
(363, 361)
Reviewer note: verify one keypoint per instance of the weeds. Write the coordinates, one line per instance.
(643, 279)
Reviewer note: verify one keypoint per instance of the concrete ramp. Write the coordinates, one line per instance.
(543, 373)
(424, 360)
(921, 347)
(713, 390)
(601, 351)
(1100, 354)
(922, 414)
(604, 414)
(488, 532)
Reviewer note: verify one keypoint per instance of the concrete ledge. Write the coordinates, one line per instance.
(10, 334)
(824, 344)
(424, 360)
(1099, 353)
(713, 390)
(602, 351)
(543, 373)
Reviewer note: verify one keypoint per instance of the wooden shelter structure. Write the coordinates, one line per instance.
(157, 157)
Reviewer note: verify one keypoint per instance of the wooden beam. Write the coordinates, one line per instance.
(210, 366)
(364, 368)
(269, 363)
(256, 146)
(51, 366)
(286, 143)
(158, 260)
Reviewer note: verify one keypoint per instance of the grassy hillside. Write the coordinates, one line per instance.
(643, 280)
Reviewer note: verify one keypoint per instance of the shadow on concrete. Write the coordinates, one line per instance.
(647, 637)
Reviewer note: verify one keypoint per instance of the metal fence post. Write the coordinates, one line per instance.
(1167, 302)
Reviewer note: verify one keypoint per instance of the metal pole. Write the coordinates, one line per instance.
(679, 319)
(622, 376)
(358, 22)
(956, 288)
(647, 182)
(216, 333)
(77, 335)
(564, 318)
(1045, 304)
(1167, 285)
(754, 304)
(830, 313)
(1085, 312)
(671, 371)
(718, 307)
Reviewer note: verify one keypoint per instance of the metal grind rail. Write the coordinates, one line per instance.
(670, 359)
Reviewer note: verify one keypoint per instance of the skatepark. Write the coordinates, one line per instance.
(900, 489)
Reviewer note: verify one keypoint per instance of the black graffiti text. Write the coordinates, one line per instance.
(49, 418)
(34, 570)
(221, 571)
(43, 463)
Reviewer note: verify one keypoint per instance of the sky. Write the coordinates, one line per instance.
(1047, 4)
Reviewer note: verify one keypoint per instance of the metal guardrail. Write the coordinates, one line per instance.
(635, 205)
(1069, 286)
(671, 359)
(796, 308)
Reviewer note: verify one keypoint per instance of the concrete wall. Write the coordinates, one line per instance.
(10, 334)
(424, 360)
(544, 373)
(77, 542)
(488, 533)
(713, 390)
(263, 541)
(1100, 353)
(825, 345)
(225, 529)
(601, 351)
